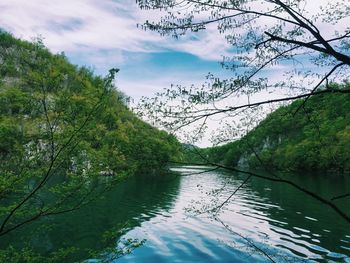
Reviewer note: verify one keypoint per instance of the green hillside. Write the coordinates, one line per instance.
(44, 100)
(66, 137)
(313, 137)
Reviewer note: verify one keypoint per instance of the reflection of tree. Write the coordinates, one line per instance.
(305, 210)
(133, 201)
(295, 219)
(250, 244)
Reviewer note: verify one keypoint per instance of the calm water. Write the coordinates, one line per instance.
(170, 213)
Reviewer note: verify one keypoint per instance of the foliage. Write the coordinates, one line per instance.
(278, 50)
(61, 130)
(313, 138)
(114, 247)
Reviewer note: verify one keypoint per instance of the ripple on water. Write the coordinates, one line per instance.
(335, 255)
(346, 248)
(310, 218)
(301, 229)
(174, 236)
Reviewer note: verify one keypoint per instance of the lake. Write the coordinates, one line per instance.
(263, 222)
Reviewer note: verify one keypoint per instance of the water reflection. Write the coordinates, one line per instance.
(171, 213)
(273, 218)
(301, 224)
(133, 201)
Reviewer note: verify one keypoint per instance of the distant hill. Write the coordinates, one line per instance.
(315, 137)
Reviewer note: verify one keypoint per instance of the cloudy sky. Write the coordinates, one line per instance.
(104, 34)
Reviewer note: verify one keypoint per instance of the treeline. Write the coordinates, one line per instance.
(311, 135)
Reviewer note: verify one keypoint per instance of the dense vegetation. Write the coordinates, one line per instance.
(301, 136)
(61, 130)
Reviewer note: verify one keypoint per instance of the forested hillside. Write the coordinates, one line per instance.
(62, 129)
(311, 135)
(45, 100)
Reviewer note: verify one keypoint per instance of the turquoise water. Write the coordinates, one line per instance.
(262, 219)
(263, 222)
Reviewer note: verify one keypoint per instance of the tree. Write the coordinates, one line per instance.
(264, 36)
(45, 111)
(67, 137)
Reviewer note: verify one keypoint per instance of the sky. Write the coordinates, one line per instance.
(104, 34)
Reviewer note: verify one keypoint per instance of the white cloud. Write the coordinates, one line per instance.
(103, 34)
(91, 24)
(152, 84)
(67, 25)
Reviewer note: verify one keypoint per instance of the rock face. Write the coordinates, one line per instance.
(243, 161)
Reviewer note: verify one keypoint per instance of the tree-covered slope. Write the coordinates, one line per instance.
(314, 135)
(44, 100)
(66, 136)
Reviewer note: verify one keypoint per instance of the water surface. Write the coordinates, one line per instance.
(263, 221)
